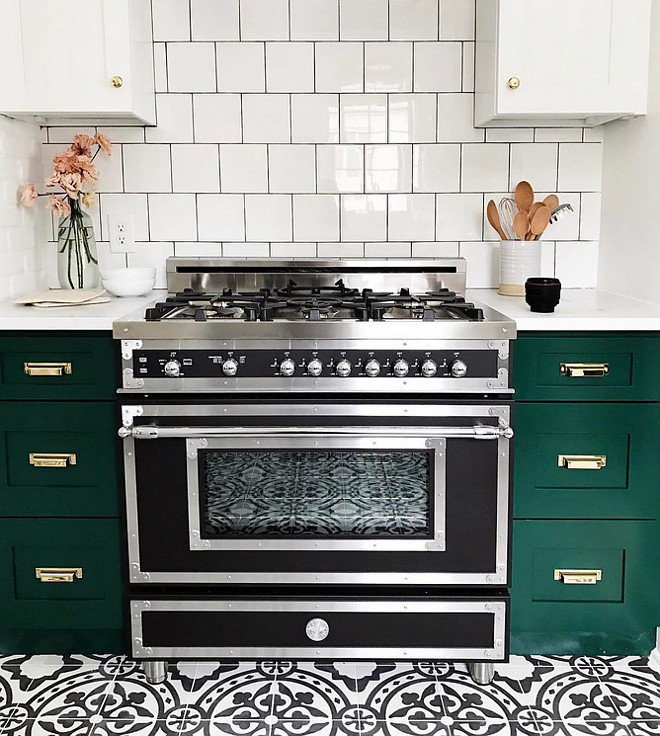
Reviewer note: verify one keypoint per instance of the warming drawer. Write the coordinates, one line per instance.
(199, 628)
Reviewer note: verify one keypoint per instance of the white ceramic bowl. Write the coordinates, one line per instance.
(128, 274)
(119, 287)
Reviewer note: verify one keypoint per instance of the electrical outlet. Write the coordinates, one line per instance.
(120, 228)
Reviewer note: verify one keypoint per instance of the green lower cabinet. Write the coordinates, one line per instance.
(587, 461)
(61, 586)
(584, 587)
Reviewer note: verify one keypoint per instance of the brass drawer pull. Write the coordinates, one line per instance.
(584, 370)
(47, 369)
(52, 459)
(582, 462)
(578, 577)
(58, 574)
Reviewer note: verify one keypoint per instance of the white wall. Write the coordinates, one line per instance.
(302, 128)
(22, 240)
(630, 231)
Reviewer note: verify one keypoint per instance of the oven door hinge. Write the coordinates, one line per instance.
(128, 414)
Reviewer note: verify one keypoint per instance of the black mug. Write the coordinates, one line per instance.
(542, 294)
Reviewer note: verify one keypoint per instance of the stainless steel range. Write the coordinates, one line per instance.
(317, 464)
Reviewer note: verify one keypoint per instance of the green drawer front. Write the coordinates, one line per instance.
(627, 487)
(93, 601)
(632, 367)
(84, 430)
(616, 615)
(91, 357)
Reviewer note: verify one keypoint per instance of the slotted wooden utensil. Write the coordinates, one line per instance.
(524, 196)
(494, 219)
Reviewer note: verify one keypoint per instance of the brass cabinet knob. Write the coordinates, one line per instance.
(513, 83)
(117, 82)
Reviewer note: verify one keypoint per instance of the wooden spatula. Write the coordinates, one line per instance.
(540, 222)
(551, 201)
(494, 219)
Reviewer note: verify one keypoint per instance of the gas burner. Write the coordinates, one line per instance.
(428, 307)
(202, 308)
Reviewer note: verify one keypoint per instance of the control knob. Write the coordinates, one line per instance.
(401, 368)
(172, 368)
(458, 369)
(372, 368)
(429, 368)
(344, 368)
(287, 367)
(230, 367)
(315, 367)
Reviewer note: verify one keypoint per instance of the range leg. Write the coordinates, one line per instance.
(482, 672)
(155, 672)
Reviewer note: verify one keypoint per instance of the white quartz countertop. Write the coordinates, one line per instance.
(579, 309)
(91, 317)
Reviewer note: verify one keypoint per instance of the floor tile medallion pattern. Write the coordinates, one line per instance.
(536, 696)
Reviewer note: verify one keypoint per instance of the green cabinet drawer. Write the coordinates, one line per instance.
(42, 365)
(547, 367)
(587, 461)
(86, 550)
(617, 614)
(59, 459)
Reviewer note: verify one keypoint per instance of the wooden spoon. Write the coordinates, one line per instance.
(524, 196)
(521, 225)
(494, 219)
(540, 221)
(551, 201)
(534, 209)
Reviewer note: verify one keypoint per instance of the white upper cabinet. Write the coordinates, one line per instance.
(565, 62)
(77, 61)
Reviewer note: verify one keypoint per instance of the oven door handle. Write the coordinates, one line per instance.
(152, 432)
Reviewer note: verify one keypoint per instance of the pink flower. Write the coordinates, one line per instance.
(89, 172)
(89, 199)
(54, 181)
(65, 163)
(82, 144)
(29, 195)
(59, 206)
(72, 184)
(104, 143)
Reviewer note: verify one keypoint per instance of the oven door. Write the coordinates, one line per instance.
(300, 493)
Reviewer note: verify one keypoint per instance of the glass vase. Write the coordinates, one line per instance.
(77, 262)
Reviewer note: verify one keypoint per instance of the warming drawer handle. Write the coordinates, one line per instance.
(151, 432)
(582, 462)
(52, 459)
(48, 369)
(584, 370)
(578, 577)
(58, 574)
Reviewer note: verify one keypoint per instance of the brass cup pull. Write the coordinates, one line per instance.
(584, 370)
(58, 574)
(52, 459)
(47, 369)
(578, 577)
(582, 462)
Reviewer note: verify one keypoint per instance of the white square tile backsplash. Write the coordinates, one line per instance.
(333, 128)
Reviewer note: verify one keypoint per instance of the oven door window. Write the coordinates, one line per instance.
(362, 493)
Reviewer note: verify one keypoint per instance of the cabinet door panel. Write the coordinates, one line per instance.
(84, 366)
(616, 615)
(93, 601)
(621, 435)
(84, 485)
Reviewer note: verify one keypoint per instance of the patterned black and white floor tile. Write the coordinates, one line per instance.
(51, 695)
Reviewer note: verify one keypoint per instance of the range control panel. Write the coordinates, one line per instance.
(314, 364)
